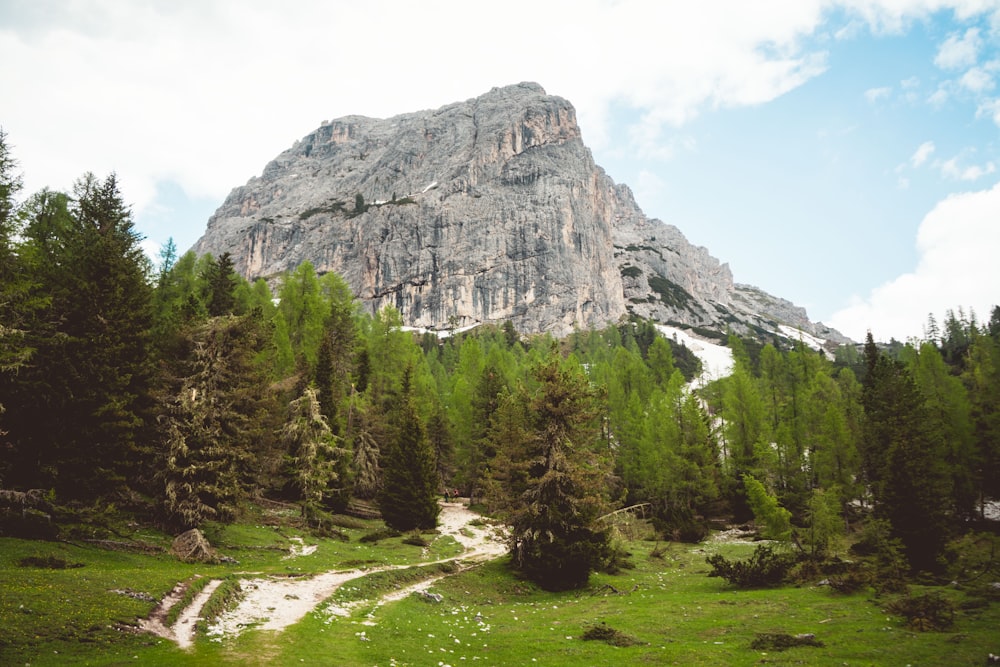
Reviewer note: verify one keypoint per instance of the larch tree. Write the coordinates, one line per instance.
(948, 404)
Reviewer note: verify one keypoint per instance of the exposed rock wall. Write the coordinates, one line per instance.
(484, 210)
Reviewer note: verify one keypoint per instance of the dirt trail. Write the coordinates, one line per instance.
(275, 603)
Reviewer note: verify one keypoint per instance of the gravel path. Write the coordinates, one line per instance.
(274, 603)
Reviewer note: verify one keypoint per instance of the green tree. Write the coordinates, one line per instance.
(408, 498)
(84, 400)
(774, 519)
(551, 476)
(336, 357)
(303, 307)
(982, 377)
(948, 404)
(217, 420)
(904, 456)
(15, 284)
(221, 281)
(316, 463)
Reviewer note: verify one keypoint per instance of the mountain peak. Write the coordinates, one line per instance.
(484, 210)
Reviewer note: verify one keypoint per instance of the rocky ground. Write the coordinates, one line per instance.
(274, 603)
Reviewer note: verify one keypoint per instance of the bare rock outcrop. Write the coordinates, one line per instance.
(485, 210)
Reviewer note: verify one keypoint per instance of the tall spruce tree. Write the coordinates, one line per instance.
(905, 460)
(217, 422)
(315, 461)
(84, 402)
(551, 476)
(408, 498)
(220, 283)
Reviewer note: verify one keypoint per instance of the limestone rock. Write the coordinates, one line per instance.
(485, 210)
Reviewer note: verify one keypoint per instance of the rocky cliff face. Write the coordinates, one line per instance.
(485, 210)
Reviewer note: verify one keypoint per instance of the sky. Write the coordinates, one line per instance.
(841, 154)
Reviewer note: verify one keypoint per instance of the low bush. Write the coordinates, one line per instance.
(605, 633)
(379, 535)
(765, 567)
(931, 611)
(416, 540)
(47, 562)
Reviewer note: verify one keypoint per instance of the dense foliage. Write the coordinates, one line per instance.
(181, 391)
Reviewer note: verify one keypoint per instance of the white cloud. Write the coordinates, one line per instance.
(989, 109)
(923, 152)
(939, 96)
(959, 51)
(205, 93)
(977, 80)
(874, 95)
(957, 243)
(951, 169)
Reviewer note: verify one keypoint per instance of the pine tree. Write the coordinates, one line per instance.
(904, 457)
(408, 498)
(217, 420)
(221, 283)
(552, 486)
(316, 463)
(84, 401)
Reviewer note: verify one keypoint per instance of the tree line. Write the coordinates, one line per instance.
(181, 392)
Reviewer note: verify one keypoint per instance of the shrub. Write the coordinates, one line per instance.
(631, 272)
(605, 633)
(764, 568)
(925, 612)
(380, 534)
(414, 539)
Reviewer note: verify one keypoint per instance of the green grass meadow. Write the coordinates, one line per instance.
(665, 610)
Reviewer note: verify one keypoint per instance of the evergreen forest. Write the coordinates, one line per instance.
(176, 393)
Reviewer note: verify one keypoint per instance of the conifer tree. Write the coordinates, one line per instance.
(316, 463)
(947, 402)
(983, 380)
(904, 457)
(221, 283)
(408, 498)
(551, 482)
(218, 417)
(301, 303)
(83, 402)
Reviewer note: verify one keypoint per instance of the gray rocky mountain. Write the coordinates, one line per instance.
(486, 210)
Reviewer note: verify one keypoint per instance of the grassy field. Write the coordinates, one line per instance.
(663, 611)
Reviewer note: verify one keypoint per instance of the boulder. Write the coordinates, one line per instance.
(192, 546)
